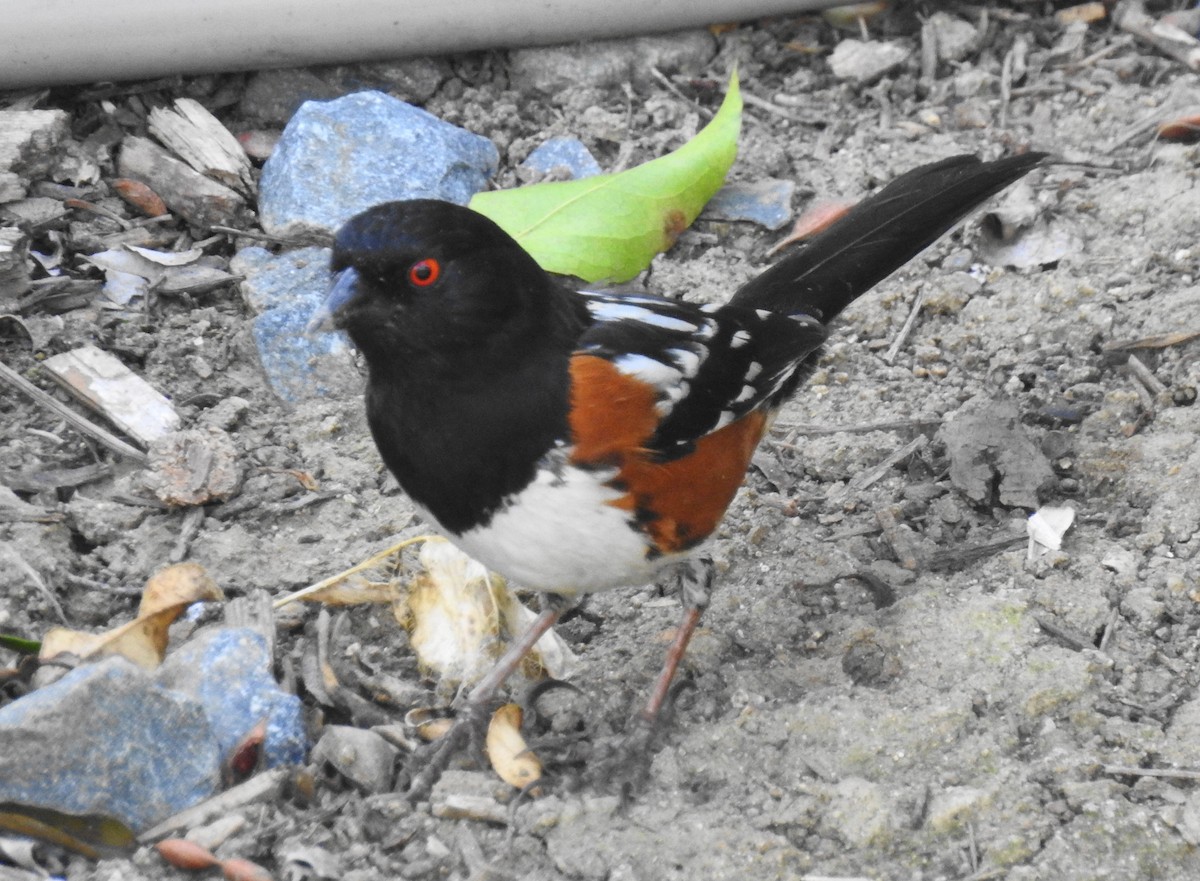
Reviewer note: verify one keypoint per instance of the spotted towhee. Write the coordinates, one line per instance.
(582, 441)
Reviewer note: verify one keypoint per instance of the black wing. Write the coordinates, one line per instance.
(710, 365)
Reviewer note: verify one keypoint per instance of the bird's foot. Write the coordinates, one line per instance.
(427, 765)
(625, 771)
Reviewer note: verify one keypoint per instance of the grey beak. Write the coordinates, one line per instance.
(345, 288)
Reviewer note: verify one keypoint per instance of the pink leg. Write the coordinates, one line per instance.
(691, 617)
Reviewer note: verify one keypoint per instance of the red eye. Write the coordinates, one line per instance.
(424, 272)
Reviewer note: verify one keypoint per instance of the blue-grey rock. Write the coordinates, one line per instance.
(106, 739)
(337, 158)
(227, 671)
(568, 153)
(767, 203)
(285, 290)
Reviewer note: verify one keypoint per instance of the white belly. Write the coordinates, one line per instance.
(560, 536)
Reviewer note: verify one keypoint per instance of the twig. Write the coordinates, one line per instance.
(1114, 46)
(261, 787)
(80, 423)
(1144, 375)
(38, 582)
(961, 557)
(1159, 341)
(250, 234)
(772, 107)
(1167, 773)
(864, 479)
(1110, 627)
(368, 563)
(674, 90)
(900, 540)
(865, 428)
(909, 324)
(84, 205)
(193, 519)
(1166, 38)
(93, 584)
(1069, 639)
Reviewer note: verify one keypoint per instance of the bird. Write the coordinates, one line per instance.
(585, 440)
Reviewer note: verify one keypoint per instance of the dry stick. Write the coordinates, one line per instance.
(1168, 773)
(84, 205)
(1110, 627)
(1072, 640)
(262, 787)
(368, 563)
(1144, 375)
(38, 582)
(193, 519)
(80, 423)
(909, 324)
(864, 479)
(674, 90)
(257, 236)
(865, 428)
(1158, 341)
(771, 107)
(1114, 46)
(1166, 38)
(900, 541)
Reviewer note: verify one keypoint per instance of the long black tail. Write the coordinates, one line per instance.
(879, 235)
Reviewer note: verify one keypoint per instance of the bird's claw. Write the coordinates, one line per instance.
(429, 763)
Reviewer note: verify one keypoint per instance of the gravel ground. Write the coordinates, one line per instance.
(883, 687)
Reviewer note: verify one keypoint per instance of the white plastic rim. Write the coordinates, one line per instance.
(52, 42)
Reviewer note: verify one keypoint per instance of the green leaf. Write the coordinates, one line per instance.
(95, 836)
(20, 645)
(609, 227)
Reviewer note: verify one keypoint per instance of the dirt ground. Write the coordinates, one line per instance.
(882, 688)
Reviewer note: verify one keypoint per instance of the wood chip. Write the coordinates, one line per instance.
(27, 140)
(1166, 38)
(112, 389)
(196, 198)
(14, 262)
(1085, 12)
(202, 142)
(78, 422)
(194, 467)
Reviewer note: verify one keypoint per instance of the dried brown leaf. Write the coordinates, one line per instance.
(140, 196)
(143, 640)
(507, 750)
(238, 869)
(184, 854)
(1085, 12)
(1182, 128)
(816, 219)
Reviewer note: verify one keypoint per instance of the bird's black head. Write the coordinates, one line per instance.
(435, 281)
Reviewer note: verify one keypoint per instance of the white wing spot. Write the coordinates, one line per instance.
(748, 392)
(753, 371)
(649, 370)
(727, 416)
(739, 339)
(689, 362)
(764, 314)
(608, 311)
